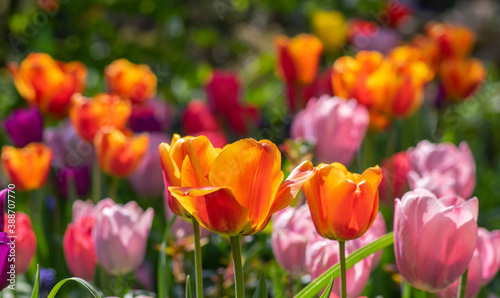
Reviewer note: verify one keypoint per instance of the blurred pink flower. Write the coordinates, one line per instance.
(434, 239)
(293, 228)
(336, 126)
(198, 117)
(147, 179)
(443, 169)
(395, 179)
(120, 235)
(322, 254)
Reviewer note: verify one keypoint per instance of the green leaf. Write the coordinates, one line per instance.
(188, 287)
(84, 283)
(37, 282)
(321, 282)
(328, 289)
(164, 282)
(261, 291)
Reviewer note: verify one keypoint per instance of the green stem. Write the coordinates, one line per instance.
(96, 182)
(120, 287)
(197, 259)
(113, 190)
(343, 289)
(238, 268)
(463, 285)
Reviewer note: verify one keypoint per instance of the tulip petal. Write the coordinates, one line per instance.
(215, 208)
(196, 166)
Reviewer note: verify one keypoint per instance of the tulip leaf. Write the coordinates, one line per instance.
(312, 289)
(37, 282)
(261, 291)
(328, 289)
(188, 287)
(164, 282)
(84, 283)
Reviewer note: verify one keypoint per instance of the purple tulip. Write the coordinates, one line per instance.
(147, 179)
(80, 178)
(434, 239)
(24, 126)
(335, 125)
(120, 235)
(293, 228)
(153, 116)
(443, 169)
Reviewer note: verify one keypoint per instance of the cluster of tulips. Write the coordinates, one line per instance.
(236, 189)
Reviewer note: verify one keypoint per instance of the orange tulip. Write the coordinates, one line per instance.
(461, 77)
(172, 156)
(389, 87)
(132, 81)
(343, 205)
(298, 58)
(28, 167)
(429, 50)
(234, 191)
(89, 116)
(455, 41)
(119, 153)
(48, 83)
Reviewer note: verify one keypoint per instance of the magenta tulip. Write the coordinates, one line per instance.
(24, 126)
(152, 116)
(434, 239)
(293, 228)
(443, 169)
(120, 235)
(336, 126)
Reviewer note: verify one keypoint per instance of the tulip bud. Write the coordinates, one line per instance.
(24, 126)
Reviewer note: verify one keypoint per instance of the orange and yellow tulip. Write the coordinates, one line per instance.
(119, 153)
(131, 81)
(89, 116)
(28, 167)
(172, 157)
(343, 205)
(331, 28)
(234, 191)
(48, 83)
(461, 77)
(455, 41)
(298, 58)
(388, 87)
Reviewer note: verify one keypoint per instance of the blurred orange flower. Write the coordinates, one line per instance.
(455, 41)
(130, 81)
(28, 167)
(88, 116)
(343, 205)
(172, 157)
(298, 58)
(234, 191)
(461, 77)
(48, 83)
(389, 87)
(119, 153)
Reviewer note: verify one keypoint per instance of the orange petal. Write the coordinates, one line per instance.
(215, 208)
(196, 166)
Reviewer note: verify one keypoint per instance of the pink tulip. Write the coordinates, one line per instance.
(147, 179)
(25, 241)
(443, 169)
(78, 244)
(395, 179)
(120, 235)
(322, 254)
(482, 268)
(198, 117)
(434, 239)
(293, 228)
(336, 126)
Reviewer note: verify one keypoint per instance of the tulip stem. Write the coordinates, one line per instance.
(463, 285)
(96, 182)
(238, 268)
(343, 281)
(197, 259)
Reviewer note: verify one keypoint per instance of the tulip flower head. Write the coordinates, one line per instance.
(120, 235)
(434, 239)
(455, 41)
(24, 126)
(119, 153)
(88, 116)
(461, 78)
(395, 180)
(236, 190)
(130, 81)
(28, 167)
(47, 83)
(331, 28)
(25, 241)
(343, 205)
